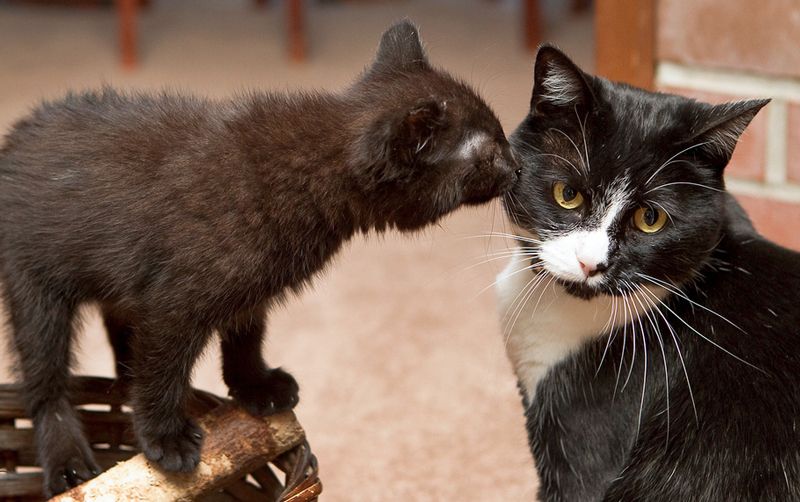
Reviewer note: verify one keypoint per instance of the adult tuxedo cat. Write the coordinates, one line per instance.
(180, 216)
(655, 334)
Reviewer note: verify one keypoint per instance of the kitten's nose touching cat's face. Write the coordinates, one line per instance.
(431, 143)
(619, 184)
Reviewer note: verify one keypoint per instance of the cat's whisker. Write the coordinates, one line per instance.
(608, 325)
(625, 312)
(663, 209)
(514, 303)
(704, 337)
(700, 185)
(669, 160)
(634, 318)
(641, 331)
(564, 159)
(654, 325)
(422, 145)
(541, 294)
(527, 213)
(674, 336)
(583, 133)
(495, 258)
(512, 250)
(510, 209)
(580, 155)
(611, 333)
(536, 282)
(672, 288)
(519, 301)
(488, 243)
(532, 266)
(660, 341)
(505, 235)
(503, 256)
(510, 317)
(505, 253)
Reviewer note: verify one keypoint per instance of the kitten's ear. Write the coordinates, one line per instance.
(394, 142)
(420, 123)
(723, 127)
(401, 48)
(557, 82)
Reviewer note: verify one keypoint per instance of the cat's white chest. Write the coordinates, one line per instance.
(542, 323)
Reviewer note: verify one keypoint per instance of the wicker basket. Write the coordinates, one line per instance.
(107, 423)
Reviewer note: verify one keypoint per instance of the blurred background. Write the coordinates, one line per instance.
(405, 389)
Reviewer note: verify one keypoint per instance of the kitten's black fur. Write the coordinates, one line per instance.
(180, 216)
(741, 443)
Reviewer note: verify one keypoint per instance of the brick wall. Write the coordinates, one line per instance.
(724, 50)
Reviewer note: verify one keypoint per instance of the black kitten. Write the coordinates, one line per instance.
(181, 216)
(655, 335)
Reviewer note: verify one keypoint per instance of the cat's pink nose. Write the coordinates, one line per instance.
(589, 269)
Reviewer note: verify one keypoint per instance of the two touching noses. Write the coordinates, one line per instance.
(505, 163)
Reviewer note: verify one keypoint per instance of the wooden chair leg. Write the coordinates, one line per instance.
(127, 31)
(533, 24)
(296, 30)
(579, 6)
(625, 38)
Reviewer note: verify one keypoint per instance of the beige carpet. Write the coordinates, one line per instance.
(406, 392)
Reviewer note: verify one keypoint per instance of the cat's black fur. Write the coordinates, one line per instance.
(180, 216)
(741, 443)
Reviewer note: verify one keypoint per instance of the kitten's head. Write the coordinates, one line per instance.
(427, 142)
(619, 183)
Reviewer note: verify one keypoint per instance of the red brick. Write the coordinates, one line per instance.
(793, 153)
(747, 35)
(778, 221)
(749, 157)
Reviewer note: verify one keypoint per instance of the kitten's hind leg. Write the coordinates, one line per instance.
(165, 351)
(42, 332)
(259, 389)
(120, 335)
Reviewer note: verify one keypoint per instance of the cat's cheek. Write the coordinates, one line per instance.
(563, 256)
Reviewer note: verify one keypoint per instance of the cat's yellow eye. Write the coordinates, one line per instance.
(649, 219)
(566, 196)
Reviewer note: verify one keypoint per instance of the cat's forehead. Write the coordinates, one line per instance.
(635, 115)
(631, 133)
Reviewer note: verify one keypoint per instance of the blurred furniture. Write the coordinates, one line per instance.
(532, 20)
(240, 457)
(128, 10)
(625, 41)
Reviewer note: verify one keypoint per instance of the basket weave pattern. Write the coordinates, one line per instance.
(107, 424)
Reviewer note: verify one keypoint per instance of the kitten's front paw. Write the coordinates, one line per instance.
(176, 449)
(61, 474)
(272, 392)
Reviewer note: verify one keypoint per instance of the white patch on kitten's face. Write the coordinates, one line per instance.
(472, 144)
(562, 256)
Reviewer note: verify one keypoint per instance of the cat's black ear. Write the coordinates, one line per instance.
(558, 83)
(722, 127)
(401, 48)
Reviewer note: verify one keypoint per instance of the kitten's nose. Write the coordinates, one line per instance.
(507, 166)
